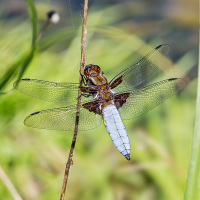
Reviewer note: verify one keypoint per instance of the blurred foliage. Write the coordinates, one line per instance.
(118, 35)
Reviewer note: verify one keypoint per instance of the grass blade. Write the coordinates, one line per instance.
(24, 60)
(12, 69)
(33, 16)
(192, 190)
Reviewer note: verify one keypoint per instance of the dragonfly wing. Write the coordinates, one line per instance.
(140, 74)
(63, 119)
(50, 91)
(141, 101)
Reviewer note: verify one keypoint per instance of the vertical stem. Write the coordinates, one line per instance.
(192, 190)
(70, 162)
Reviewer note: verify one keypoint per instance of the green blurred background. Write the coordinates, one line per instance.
(119, 33)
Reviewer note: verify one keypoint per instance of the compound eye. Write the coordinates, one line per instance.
(87, 72)
(96, 69)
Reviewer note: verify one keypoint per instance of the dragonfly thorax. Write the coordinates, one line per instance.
(94, 76)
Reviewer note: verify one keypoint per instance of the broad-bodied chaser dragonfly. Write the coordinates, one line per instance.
(126, 96)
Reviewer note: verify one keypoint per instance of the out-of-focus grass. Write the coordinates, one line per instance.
(26, 58)
(35, 159)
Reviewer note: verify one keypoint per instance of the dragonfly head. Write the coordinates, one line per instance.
(92, 70)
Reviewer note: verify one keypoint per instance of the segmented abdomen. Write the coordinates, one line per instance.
(116, 130)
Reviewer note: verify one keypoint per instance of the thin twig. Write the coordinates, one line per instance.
(70, 162)
(9, 185)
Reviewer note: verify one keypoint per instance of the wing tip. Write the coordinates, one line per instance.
(158, 46)
(180, 82)
(165, 45)
(27, 121)
(15, 84)
(26, 79)
(172, 79)
(163, 48)
(35, 113)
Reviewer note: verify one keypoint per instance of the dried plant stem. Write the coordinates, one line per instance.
(9, 185)
(70, 162)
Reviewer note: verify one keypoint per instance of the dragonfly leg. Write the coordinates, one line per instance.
(84, 81)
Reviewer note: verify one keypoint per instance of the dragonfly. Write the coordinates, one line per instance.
(128, 95)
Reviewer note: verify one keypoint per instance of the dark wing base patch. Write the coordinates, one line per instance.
(93, 107)
(120, 99)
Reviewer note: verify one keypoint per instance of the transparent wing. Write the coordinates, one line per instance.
(50, 91)
(63, 119)
(140, 74)
(141, 101)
